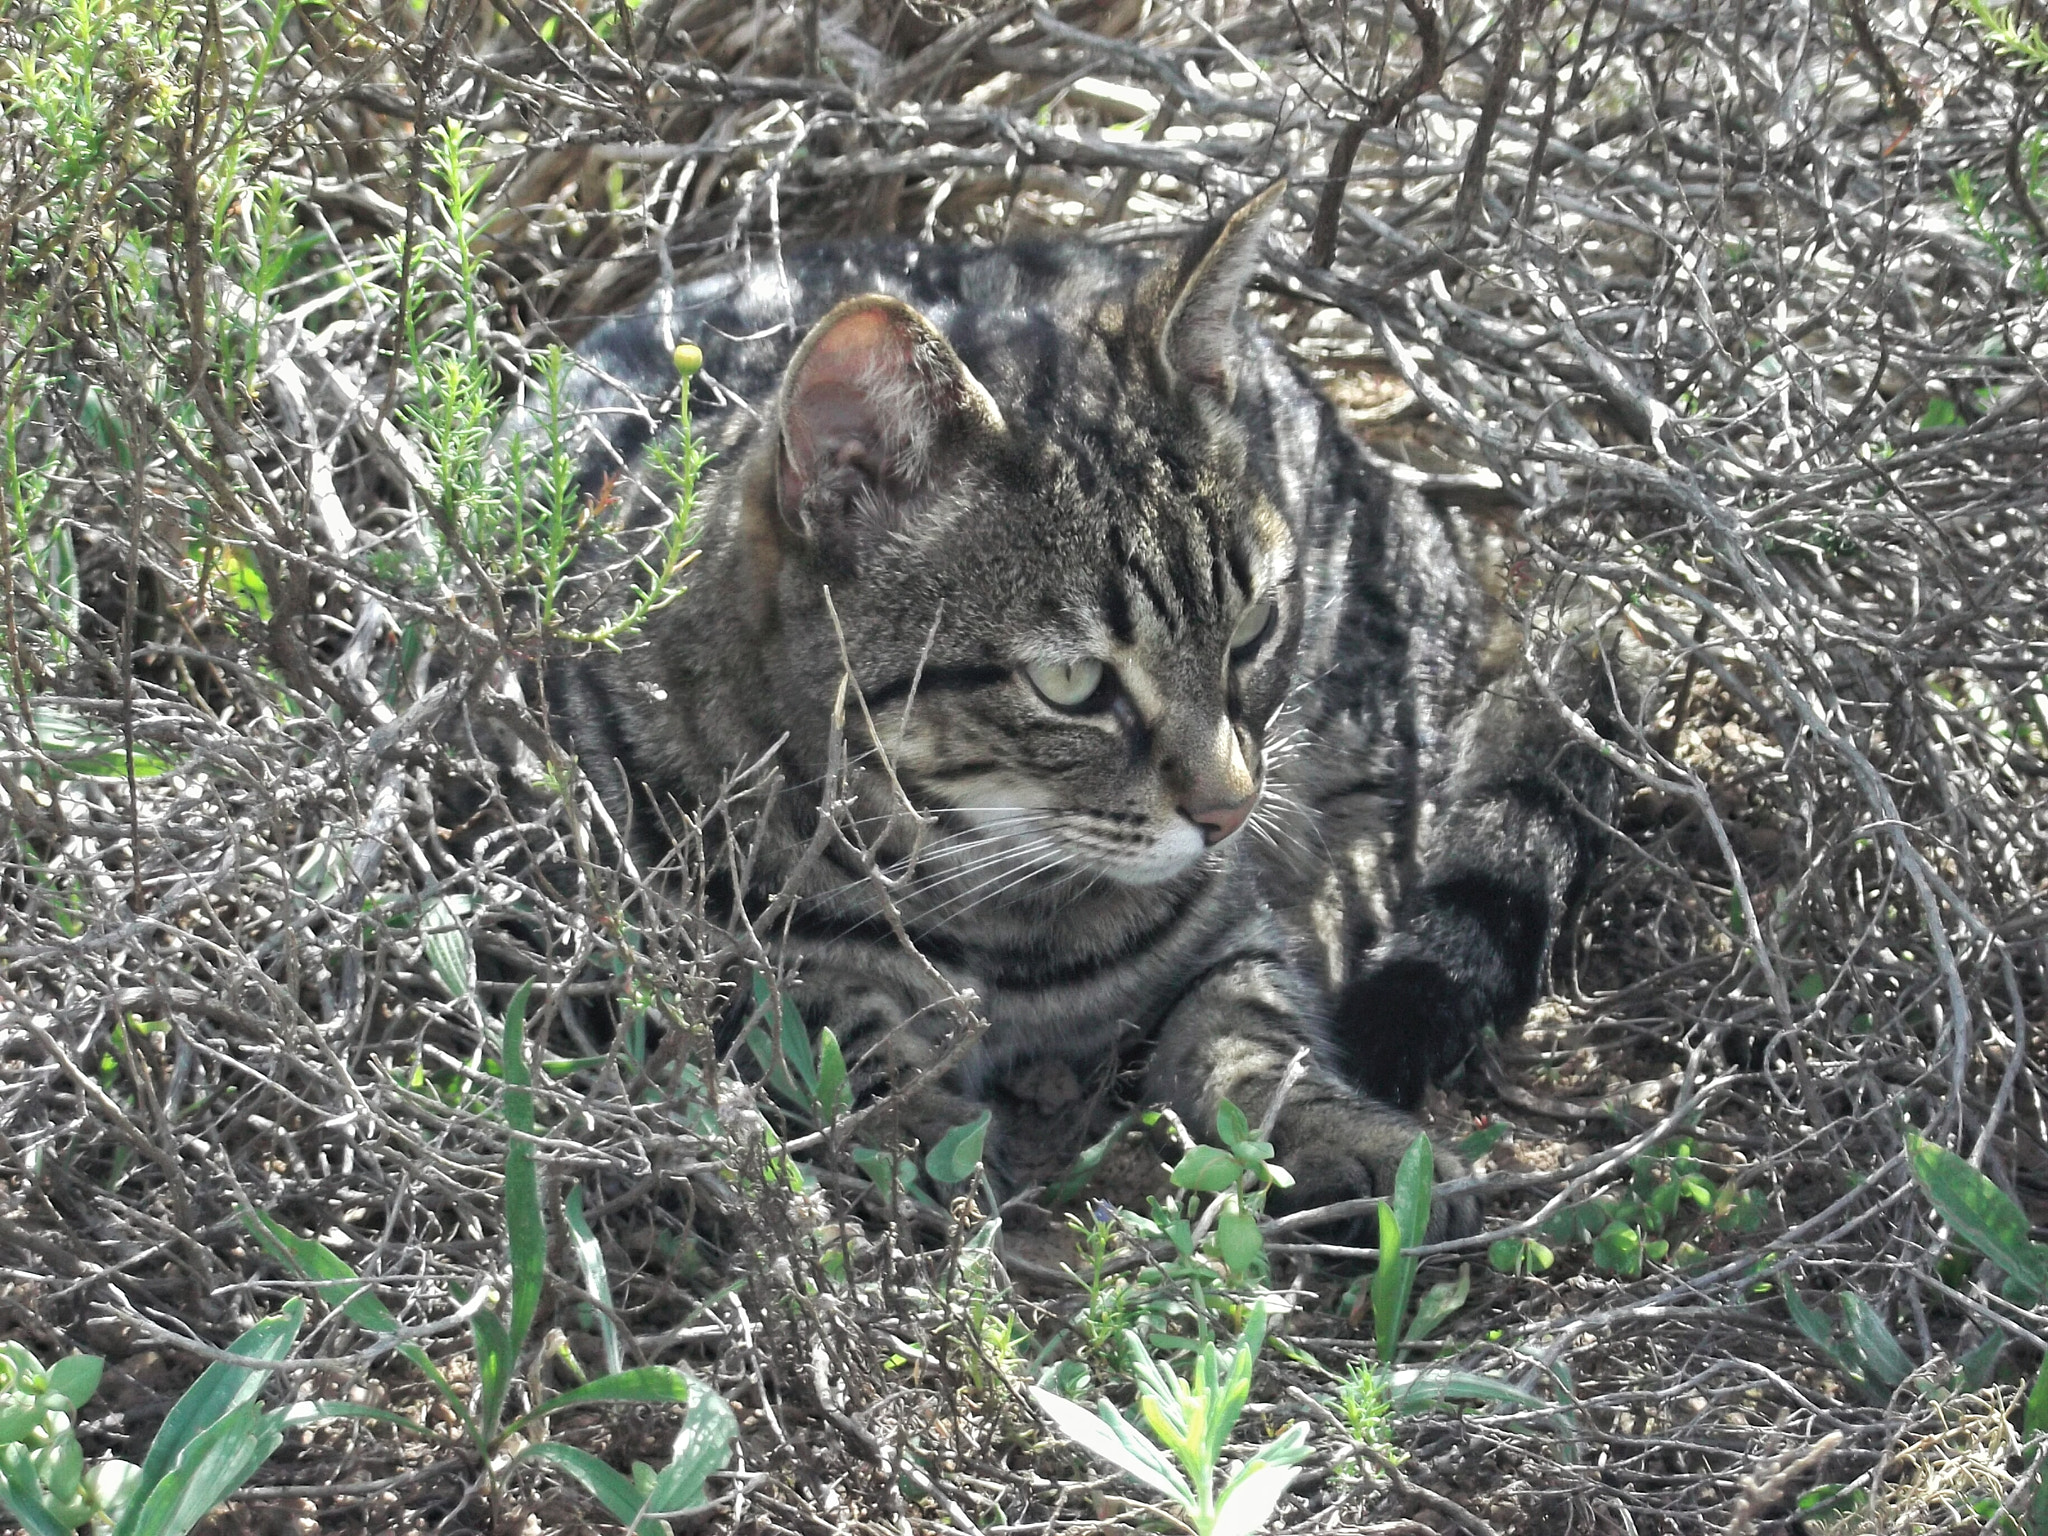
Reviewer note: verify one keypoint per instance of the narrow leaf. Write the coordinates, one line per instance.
(1888, 1363)
(525, 1230)
(614, 1490)
(338, 1285)
(219, 1391)
(1414, 1183)
(641, 1384)
(2034, 1420)
(1252, 1495)
(1095, 1436)
(494, 1362)
(451, 952)
(590, 1260)
(703, 1446)
(1412, 1390)
(1438, 1304)
(212, 1465)
(1391, 1284)
(835, 1098)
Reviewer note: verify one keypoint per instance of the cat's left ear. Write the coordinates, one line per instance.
(1198, 340)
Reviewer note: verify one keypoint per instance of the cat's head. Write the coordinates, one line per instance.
(1069, 603)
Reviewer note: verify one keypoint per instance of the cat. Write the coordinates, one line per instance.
(1178, 741)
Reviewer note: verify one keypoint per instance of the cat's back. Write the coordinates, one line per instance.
(1016, 314)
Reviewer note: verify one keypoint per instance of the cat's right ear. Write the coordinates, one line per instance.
(874, 406)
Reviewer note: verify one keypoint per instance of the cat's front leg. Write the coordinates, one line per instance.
(1233, 1036)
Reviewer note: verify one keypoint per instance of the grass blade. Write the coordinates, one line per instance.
(590, 1260)
(525, 1229)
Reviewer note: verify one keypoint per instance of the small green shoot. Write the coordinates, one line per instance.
(1192, 1418)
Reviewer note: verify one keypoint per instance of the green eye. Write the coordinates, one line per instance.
(1069, 684)
(1252, 627)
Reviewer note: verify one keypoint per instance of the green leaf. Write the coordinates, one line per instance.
(1619, 1249)
(525, 1230)
(1438, 1304)
(1391, 1284)
(891, 1175)
(614, 1490)
(1249, 1499)
(338, 1285)
(590, 1260)
(220, 1390)
(1100, 1438)
(21, 1491)
(958, 1153)
(494, 1362)
(1978, 1365)
(1482, 1141)
(703, 1446)
(212, 1465)
(1238, 1240)
(451, 952)
(641, 1384)
(1814, 1324)
(1980, 1213)
(77, 1377)
(1082, 1169)
(1887, 1363)
(1208, 1170)
(1414, 1183)
(835, 1098)
(1231, 1125)
(2034, 1420)
(1412, 1390)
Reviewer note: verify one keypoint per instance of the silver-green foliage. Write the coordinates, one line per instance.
(1190, 1419)
(211, 1442)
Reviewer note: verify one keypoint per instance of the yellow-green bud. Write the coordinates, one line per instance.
(689, 358)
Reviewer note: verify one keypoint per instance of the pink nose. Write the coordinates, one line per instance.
(1218, 822)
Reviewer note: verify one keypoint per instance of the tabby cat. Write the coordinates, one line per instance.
(1177, 739)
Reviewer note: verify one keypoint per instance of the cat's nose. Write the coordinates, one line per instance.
(1219, 821)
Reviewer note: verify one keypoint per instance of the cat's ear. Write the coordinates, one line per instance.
(1198, 338)
(874, 406)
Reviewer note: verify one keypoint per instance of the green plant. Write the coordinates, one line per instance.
(1192, 1418)
(521, 525)
(1992, 1222)
(1404, 1221)
(1193, 1261)
(499, 1339)
(1636, 1225)
(1862, 1348)
(211, 1442)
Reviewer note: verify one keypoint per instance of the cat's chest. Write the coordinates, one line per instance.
(1081, 981)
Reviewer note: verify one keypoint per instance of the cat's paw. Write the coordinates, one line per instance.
(1345, 1149)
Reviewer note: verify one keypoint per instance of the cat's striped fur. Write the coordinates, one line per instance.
(1060, 457)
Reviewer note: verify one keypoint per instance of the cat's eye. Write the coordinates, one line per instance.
(1251, 628)
(1068, 684)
